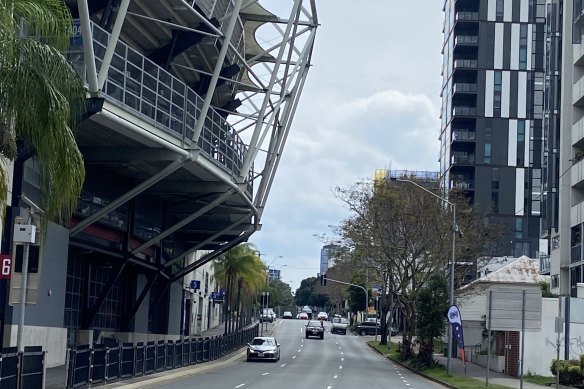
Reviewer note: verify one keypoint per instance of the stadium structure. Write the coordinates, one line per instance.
(190, 105)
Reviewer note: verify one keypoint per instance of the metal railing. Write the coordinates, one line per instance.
(465, 63)
(472, 40)
(141, 87)
(99, 364)
(22, 370)
(464, 87)
(464, 111)
(473, 16)
(463, 135)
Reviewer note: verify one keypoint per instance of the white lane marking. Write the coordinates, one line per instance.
(340, 367)
(342, 359)
(340, 348)
(283, 364)
(328, 387)
(239, 386)
(265, 373)
(294, 357)
(301, 345)
(341, 353)
(335, 377)
(299, 350)
(336, 342)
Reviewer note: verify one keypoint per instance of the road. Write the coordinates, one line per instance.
(337, 362)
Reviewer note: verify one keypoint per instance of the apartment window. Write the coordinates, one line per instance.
(495, 190)
(487, 153)
(520, 142)
(497, 93)
(523, 47)
(521, 248)
(555, 281)
(519, 228)
(500, 7)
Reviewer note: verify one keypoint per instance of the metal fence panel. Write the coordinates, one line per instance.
(127, 360)
(32, 370)
(150, 358)
(160, 356)
(140, 360)
(178, 346)
(9, 371)
(112, 364)
(169, 355)
(81, 367)
(98, 364)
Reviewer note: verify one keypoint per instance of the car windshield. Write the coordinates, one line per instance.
(313, 323)
(262, 342)
(341, 320)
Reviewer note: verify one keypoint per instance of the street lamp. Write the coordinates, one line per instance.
(454, 230)
(265, 297)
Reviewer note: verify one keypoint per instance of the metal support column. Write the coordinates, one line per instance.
(88, 54)
(216, 71)
(113, 41)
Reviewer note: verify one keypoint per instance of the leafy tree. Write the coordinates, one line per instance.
(433, 302)
(240, 270)
(41, 97)
(304, 292)
(402, 235)
(357, 295)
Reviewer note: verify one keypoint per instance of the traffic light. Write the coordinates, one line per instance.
(323, 279)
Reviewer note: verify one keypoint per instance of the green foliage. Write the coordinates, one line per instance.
(41, 97)
(570, 373)
(304, 292)
(357, 295)
(432, 306)
(545, 290)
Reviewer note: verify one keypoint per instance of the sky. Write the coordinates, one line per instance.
(371, 101)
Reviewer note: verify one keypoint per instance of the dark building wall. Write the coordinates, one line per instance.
(49, 310)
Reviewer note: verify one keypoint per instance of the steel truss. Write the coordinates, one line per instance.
(268, 89)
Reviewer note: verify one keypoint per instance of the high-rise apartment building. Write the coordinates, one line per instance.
(565, 92)
(327, 257)
(492, 114)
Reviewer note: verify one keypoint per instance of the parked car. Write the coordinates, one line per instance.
(369, 328)
(267, 316)
(287, 315)
(314, 328)
(340, 325)
(263, 347)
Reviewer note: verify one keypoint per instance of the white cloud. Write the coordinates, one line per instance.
(371, 101)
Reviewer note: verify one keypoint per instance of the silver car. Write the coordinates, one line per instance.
(263, 347)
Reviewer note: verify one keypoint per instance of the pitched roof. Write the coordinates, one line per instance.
(524, 270)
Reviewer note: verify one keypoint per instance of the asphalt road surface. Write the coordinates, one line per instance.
(337, 362)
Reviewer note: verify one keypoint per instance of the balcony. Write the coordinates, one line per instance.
(464, 88)
(464, 111)
(467, 16)
(142, 88)
(463, 135)
(466, 40)
(465, 64)
(462, 159)
(578, 131)
(463, 185)
(576, 254)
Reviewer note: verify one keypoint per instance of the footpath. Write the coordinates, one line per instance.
(56, 377)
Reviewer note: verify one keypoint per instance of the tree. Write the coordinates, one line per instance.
(240, 270)
(304, 292)
(357, 295)
(41, 98)
(402, 235)
(432, 308)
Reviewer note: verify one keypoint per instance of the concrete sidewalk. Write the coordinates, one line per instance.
(480, 373)
(56, 377)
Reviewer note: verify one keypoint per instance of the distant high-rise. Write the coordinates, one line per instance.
(492, 114)
(327, 257)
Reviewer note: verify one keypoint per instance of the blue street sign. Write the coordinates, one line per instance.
(222, 292)
(76, 37)
(195, 284)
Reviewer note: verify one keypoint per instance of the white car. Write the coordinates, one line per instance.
(263, 347)
(287, 315)
(322, 315)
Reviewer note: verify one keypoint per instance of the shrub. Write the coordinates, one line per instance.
(570, 373)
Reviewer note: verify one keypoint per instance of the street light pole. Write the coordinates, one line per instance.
(454, 230)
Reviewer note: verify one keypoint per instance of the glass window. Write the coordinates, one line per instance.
(500, 7)
(487, 153)
(497, 93)
(523, 47)
(520, 142)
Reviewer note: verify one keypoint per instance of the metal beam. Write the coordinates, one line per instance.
(88, 54)
(113, 41)
(126, 154)
(184, 222)
(129, 195)
(90, 314)
(218, 67)
(134, 310)
(210, 239)
(253, 144)
(209, 257)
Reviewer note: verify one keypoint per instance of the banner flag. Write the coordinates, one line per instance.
(457, 336)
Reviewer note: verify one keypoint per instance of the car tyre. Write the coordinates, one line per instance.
(345, 333)
(363, 332)
(306, 336)
(322, 336)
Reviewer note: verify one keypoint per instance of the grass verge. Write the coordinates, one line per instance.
(438, 372)
(540, 380)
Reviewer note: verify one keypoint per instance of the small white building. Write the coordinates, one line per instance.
(520, 274)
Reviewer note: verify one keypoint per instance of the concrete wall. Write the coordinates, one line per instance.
(44, 321)
(540, 346)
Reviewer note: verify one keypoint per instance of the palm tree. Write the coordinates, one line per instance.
(239, 269)
(41, 99)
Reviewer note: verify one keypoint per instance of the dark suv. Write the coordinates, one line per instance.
(314, 328)
(368, 328)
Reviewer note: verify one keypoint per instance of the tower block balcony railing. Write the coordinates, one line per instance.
(142, 88)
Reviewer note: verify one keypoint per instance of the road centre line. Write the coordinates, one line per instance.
(239, 386)
(284, 364)
(335, 377)
(265, 373)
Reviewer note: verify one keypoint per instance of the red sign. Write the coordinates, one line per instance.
(5, 266)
